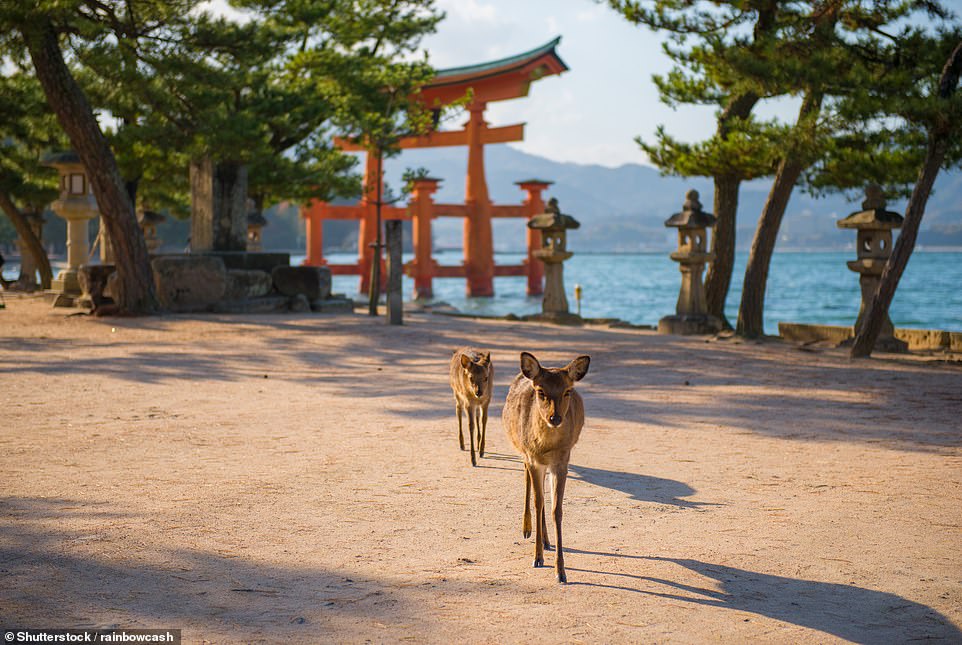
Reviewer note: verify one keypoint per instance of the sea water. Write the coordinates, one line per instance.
(641, 288)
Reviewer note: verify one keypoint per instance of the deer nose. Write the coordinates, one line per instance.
(555, 420)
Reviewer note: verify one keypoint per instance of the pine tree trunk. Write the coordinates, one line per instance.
(719, 278)
(722, 266)
(136, 294)
(218, 205)
(868, 333)
(751, 312)
(26, 234)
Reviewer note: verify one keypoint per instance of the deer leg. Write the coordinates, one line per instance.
(559, 492)
(472, 430)
(544, 530)
(457, 409)
(526, 519)
(484, 429)
(537, 483)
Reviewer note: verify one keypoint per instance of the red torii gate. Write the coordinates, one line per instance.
(498, 80)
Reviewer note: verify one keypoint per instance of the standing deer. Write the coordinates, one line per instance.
(472, 379)
(543, 416)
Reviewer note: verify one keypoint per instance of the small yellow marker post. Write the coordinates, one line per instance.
(578, 297)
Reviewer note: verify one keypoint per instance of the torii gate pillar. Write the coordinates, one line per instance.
(478, 239)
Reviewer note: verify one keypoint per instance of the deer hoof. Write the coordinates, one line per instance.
(562, 578)
(526, 534)
(538, 563)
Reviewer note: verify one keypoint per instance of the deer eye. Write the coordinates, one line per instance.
(567, 394)
(541, 394)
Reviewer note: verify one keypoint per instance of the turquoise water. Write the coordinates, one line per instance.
(643, 287)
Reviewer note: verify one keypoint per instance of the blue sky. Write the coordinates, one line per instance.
(592, 113)
(589, 114)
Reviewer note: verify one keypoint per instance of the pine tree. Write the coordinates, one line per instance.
(263, 97)
(938, 109)
(706, 74)
(27, 130)
(828, 58)
(38, 29)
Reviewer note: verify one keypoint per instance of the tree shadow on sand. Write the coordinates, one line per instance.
(80, 579)
(852, 613)
(643, 488)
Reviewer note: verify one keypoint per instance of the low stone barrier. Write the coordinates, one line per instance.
(314, 283)
(189, 282)
(917, 339)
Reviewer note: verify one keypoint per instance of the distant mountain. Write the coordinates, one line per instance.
(624, 208)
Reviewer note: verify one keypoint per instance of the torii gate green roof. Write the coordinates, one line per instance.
(503, 65)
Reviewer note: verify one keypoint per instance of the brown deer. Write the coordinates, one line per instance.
(472, 379)
(543, 416)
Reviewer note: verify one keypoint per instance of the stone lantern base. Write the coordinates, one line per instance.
(889, 344)
(689, 325)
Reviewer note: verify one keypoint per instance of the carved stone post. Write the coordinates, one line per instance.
(395, 272)
(78, 206)
(691, 311)
(553, 226)
(873, 248)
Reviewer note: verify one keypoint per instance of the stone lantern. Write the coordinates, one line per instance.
(149, 221)
(691, 312)
(553, 225)
(873, 248)
(78, 206)
(255, 224)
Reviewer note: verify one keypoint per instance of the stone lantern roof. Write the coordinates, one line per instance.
(873, 215)
(533, 181)
(691, 215)
(256, 219)
(152, 217)
(553, 219)
(65, 158)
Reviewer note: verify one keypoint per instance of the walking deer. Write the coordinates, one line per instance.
(543, 416)
(472, 379)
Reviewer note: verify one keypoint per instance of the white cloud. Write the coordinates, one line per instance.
(588, 15)
(470, 11)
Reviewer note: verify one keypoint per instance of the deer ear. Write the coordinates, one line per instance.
(530, 366)
(465, 360)
(578, 367)
(485, 359)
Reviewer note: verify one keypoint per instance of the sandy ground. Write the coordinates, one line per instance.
(297, 478)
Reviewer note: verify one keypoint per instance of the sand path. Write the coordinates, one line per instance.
(297, 478)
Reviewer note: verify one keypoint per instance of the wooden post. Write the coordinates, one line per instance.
(395, 308)
(478, 246)
(423, 212)
(534, 205)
